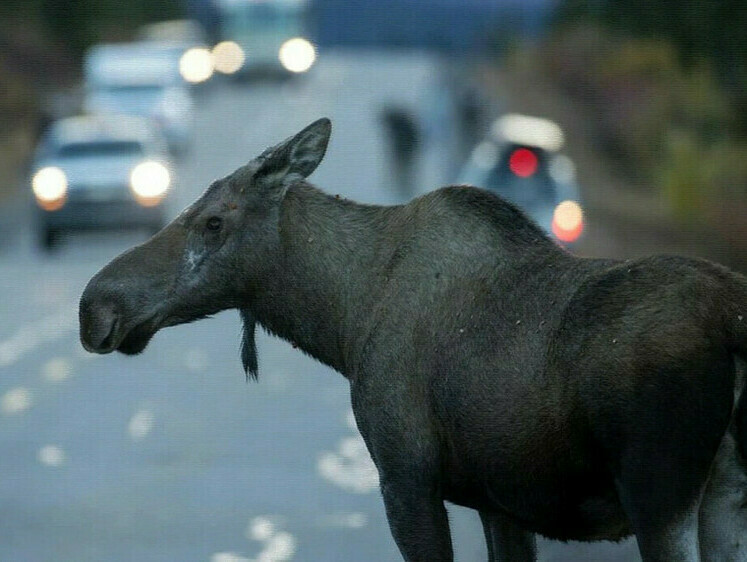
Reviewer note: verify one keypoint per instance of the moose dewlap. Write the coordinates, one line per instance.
(581, 399)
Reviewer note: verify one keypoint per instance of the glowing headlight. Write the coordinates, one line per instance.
(196, 65)
(49, 184)
(297, 54)
(149, 182)
(228, 57)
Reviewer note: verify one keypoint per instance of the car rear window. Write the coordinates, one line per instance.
(106, 148)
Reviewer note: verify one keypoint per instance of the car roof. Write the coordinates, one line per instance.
(527, 130)
(92, 128)
(141, 62)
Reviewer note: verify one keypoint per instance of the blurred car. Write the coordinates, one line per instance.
(263, 35)
(100, 171)
(142, 79)
(521, 162)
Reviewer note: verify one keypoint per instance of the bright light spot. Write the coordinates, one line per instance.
(196, 360)
(297, 54)
(51, 455)
(228, 57)
(16, 400)
(532, 131)
(149, 181)
(260, 529)
(279, 548)
(523, 162)
(228, 557)
(196, 65)
(568, 221)
(562, 169)
(50, 186)
(140, 425)
(57, 369)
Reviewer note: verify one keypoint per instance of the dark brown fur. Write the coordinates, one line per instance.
(579, 399)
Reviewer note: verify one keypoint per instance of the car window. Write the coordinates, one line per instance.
(522, 176)
(99, 148)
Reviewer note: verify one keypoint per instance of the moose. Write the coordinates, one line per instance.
(575, 398)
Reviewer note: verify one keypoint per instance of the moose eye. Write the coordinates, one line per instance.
(214, 224)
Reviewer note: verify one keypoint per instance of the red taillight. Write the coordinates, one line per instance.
(523, 162)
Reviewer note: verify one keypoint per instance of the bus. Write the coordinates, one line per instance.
(263, 35)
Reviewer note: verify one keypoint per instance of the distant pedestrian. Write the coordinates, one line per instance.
(403, 138)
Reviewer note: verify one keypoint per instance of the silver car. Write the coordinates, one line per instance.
(100, 171)
(141, 79)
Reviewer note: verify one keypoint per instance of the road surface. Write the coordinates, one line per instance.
(171, 455)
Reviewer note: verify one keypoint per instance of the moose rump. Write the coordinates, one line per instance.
(576, 398)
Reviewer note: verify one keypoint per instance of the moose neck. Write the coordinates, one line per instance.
(315, 289)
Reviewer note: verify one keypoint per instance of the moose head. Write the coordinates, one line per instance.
(209, 259)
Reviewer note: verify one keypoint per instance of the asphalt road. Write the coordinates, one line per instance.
(172, 456)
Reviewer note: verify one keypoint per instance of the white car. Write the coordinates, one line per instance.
(100, 171)
(141, 79)
(521, 161)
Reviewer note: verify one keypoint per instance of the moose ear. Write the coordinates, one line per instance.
(300, 154)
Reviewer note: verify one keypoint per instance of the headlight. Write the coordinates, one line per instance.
(228, 57)
(196, 65)
(297, 54)
(50, 187)
(568, 221)
(149, 182)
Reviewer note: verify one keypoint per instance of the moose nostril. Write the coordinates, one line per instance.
(98, 328)
(107, 343)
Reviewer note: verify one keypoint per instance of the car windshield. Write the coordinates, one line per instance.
(519, 174)
(120, 148)
(130, 99)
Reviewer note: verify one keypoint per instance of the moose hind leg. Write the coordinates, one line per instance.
(723, 510)
(507, 542)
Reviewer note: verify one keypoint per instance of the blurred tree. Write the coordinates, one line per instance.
(80, 23)
(710, 30)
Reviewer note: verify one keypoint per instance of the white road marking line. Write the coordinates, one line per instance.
(16, 400)
(228, 557)
(57, 369)
(34, 334)
(349, 467)
(259, 529)
(140, 425)
(51, 455)
(353, 520)
(278, 546)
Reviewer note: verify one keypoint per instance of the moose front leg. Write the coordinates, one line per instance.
(507, 542)
(418, 521)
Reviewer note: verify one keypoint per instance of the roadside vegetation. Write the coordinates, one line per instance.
(668, 83)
